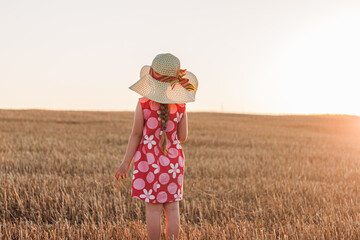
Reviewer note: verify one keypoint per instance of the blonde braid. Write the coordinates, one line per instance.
(164, 117)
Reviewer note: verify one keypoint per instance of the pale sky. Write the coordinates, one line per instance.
(270, 56)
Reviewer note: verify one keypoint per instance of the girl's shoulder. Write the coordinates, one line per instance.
(144, 102)
(177, 108)
(143, 99)
(147, 102)
(181, 105)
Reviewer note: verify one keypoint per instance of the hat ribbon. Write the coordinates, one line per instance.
(184, 82)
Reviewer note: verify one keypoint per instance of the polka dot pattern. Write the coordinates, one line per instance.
(146, 113)
(173, 152)
(152, 123)
(143, 100)
(154, 106)
(151, 165)
(150, 158)
(143, 149)
(155, 186)
(150, 177)
(164, 161)
(172, 187)
(172, 108)
(181, 161)
(139, 184)
(157, 133)
(164, 178)
(143, 166)
(180, 180)
(161, 197)
(170, 126)
(156, 151)
(137, 156)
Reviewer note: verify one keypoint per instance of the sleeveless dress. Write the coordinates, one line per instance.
(158, 178)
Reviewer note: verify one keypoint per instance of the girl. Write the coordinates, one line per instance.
(160, 126)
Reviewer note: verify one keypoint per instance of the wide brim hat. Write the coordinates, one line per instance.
(156, 89)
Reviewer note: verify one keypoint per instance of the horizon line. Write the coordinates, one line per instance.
(198, 111)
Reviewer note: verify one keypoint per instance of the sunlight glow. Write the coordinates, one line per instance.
(320, 68)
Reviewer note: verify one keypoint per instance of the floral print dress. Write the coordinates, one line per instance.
(158, 178)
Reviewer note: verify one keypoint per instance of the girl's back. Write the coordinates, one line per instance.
(158, 176)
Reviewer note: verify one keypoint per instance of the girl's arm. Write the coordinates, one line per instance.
(182, 128)
(133, 144)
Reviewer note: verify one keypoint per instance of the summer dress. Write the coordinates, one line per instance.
(158, 178)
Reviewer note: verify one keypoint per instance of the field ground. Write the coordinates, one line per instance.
(246, 177)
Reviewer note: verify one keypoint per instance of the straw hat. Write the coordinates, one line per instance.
(165, 82)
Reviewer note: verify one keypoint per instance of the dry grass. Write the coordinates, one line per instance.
(246, 177)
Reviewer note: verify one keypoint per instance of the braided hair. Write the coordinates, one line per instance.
(164, 117)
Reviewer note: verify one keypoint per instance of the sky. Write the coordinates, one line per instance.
(261, 57)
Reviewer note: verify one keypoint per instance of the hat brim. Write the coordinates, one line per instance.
(162, 92)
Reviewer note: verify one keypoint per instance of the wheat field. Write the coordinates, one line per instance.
(246, 177)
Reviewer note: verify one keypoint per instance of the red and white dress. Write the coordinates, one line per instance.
(158, 178)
